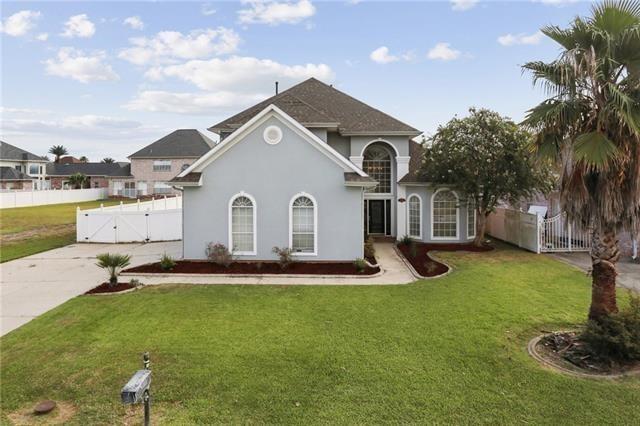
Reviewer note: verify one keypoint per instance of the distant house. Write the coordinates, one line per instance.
(156, 164)
(99, 175)
(70, 160)
(20, 169)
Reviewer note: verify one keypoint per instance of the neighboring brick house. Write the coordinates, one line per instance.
(99, 175)
(156, 164)
(20, 169)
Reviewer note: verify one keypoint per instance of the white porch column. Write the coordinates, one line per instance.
(403, 166)
(401, 218)
(357, 160)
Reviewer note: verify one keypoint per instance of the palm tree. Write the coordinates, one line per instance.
(77, 180)
(83, 159)
(113, 263)
(590, 125)
(58, 151)
(108, 160)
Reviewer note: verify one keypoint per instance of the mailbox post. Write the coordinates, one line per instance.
(137, 389)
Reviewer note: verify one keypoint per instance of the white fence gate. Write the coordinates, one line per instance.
(50, 196)
(155, 220)
(536, 234)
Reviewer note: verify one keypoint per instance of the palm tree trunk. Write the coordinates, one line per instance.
(481, 227)
(604, 255)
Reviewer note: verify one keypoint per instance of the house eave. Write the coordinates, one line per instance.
(380, 133)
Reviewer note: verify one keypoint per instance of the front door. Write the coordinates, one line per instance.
(376, 217)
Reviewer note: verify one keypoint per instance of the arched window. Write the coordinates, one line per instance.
(303, 225)
(444, 215)
(377, 164)
(242, 224)
(415, 216)
(471, 219)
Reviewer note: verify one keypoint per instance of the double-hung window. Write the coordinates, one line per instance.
(415, 216)
(243, 222)
(161, 165)
(303, 216)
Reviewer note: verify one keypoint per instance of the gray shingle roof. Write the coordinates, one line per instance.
(416, 151)
(10, 152)
(9, 173)
(182, 143)
(192, 177)
(313, 102)
(89, 169)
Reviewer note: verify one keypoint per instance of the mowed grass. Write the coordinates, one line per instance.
(29, 230)
(449, 350)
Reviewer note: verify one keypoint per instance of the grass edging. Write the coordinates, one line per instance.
(413, 270)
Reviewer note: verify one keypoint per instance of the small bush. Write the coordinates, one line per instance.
(284, 256)
(615, 338)
(135, 282)
(219, 254)
(406, 240)
(360, 265)
(413, 249)
(113, 264)
(369, 249)
(167, 262)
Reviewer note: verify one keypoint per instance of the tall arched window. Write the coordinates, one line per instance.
(415, 216)
(377, 164)
(303, 225)
(471, 219)
(242, 224)
(444, 215)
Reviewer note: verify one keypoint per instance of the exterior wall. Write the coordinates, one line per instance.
(321, 133)
(25, 167)
(400, 143)
(426, 194)
(142, 171)
(16, 185)
(273, 175)
(342, 144)
(57, 182)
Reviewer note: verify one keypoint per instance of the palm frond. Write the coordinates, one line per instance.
(614, 16)
(595, 150)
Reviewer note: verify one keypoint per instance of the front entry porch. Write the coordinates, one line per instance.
(377, 217)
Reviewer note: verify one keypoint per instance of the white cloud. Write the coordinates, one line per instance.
(75, 64)
(443, 52)
(167, 46)
(241, 74)
(20, 23)
(462, 5)
(79, 26)
(192, 103)
(514, 39)
(381, 56)
(134, 22)
(207, 10)
(557, 3)
(42, 37)
(275, 13)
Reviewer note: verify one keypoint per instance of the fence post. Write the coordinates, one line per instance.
(165, 202)
(538, 233)
(138, 203)
(121, 205)
(101, 206)
(569, 234)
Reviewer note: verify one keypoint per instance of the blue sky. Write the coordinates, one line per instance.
(106, 78)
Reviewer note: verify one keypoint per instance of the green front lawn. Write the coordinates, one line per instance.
(29, 230)
(449, 350)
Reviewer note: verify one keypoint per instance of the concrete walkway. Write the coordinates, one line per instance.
(35, 284)
(393, 272)
(628, 269)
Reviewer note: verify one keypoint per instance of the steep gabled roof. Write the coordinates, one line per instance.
(9, 173)
(89, 169)
(10, 152)
(315, 104)
(416, 152)
(181, 143)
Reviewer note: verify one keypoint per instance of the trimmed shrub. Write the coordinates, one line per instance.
(219, 254)
(167, 262)
(369, 249)
(360, 265)
(406, 240)
(284, 256)
(615, 338)
(413, 249)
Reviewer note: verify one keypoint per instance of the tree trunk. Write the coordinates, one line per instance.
(481, 225)
(604, 255)
(113, 280)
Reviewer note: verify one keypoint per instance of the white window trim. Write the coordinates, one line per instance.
(419, 236)
(315, 224)
(433, 196)
(255, 228)
(475, 222)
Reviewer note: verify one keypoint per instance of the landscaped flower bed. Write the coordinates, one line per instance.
(106, 288)
(243, 268)
(418, 256)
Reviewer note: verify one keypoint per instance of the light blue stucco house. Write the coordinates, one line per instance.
(316, 170)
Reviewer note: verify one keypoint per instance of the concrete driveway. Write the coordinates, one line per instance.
(628, 269)
(35, 284)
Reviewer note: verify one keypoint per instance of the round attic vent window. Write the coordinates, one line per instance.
(272, 135)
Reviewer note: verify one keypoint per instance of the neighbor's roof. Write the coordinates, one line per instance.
(181, 143)
(9, 173)
(10, 152)
(315, 104)
(89, 169)
(416, 151)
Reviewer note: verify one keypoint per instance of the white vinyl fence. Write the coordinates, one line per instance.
(50, 196)
(536, 234)
(155, 220)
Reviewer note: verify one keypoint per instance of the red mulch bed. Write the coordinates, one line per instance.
(105, 288)
(425, 265)
(204, 267)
